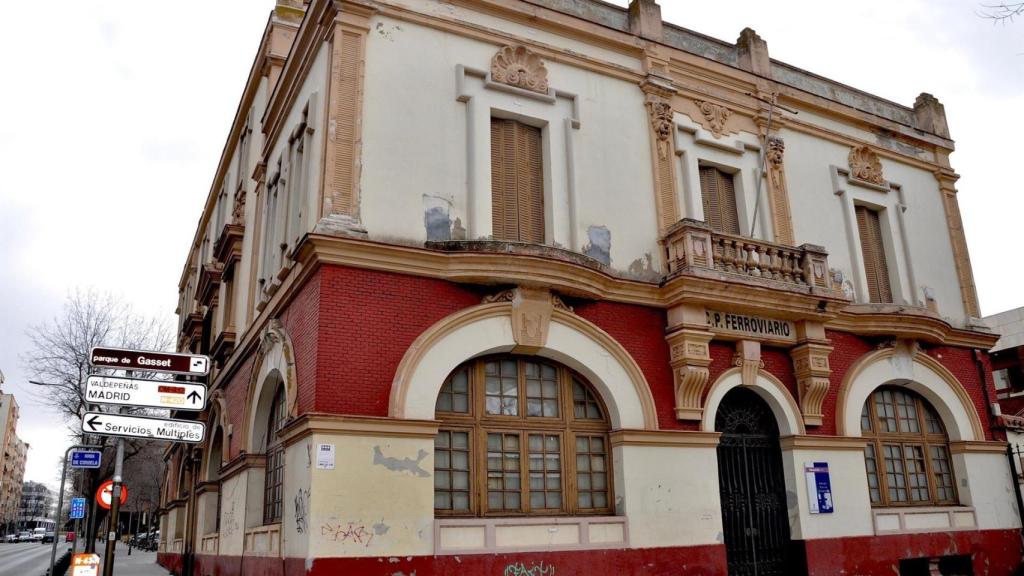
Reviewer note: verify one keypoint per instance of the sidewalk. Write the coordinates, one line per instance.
(138, 564)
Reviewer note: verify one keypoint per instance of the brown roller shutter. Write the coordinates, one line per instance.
(517, 181)
(875, 266)
(718, 194)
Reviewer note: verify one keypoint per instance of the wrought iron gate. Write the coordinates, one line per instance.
(752, 487)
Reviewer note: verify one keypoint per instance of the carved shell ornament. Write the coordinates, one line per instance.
(518, 66)
(864, 165)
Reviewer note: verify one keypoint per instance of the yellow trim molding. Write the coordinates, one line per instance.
(666, 438)
(806, 442)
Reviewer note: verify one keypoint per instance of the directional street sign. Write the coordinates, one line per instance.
(143, 427)
(77, 508)
(147, 360)
(86, 458)
(148, 393)
(105, 494)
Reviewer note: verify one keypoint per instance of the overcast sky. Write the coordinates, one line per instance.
(113, 116)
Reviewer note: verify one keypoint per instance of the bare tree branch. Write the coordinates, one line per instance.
(1005, 12)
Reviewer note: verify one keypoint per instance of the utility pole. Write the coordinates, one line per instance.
(115, 508)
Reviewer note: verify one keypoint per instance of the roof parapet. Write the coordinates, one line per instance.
(930, 115)
(752, 53)
(645, 19)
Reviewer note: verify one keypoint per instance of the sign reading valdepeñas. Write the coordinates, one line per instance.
(751, 325)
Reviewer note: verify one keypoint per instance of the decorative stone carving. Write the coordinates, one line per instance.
(716, 116)
(748, 359)
(778, 195)
(661, 122)
(238, 208)
(776, 150)
(520, 67)
(531, 315)
(690, 360)
(864, 165)
(811, 369)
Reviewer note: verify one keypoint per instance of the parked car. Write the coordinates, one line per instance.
(24, 536)
(48, 537)
(12, 537)
(37, 534)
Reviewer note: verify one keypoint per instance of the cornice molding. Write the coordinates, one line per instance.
(665, 438)
(331, 424)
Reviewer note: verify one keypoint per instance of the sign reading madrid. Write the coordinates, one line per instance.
(117, 358)
(149, 393)
(143, 427)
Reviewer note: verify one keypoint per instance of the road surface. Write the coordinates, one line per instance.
(27, 558)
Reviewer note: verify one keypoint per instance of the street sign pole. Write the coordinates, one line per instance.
(115, 509)
(60, 501)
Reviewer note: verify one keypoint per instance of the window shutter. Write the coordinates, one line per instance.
(875, 266)
(727, 202)
(709, 197)
(530, 184)
(517, 181)
(718, 194)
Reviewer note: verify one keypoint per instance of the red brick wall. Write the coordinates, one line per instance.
(961, 362)
(641, 331)
(367, 320)
(847, 349)
(234, 397)
(301, 321)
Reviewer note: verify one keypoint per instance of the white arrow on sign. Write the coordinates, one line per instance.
(143, 427)
(146, 393)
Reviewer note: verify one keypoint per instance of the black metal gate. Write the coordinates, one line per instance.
(752, 487)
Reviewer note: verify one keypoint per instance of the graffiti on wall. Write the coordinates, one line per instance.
(535, 569)
(301, 508)
(350, 532)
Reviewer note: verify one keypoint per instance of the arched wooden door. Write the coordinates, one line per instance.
(752, 487)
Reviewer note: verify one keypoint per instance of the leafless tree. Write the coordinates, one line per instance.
(1005, 12)
(58, 362)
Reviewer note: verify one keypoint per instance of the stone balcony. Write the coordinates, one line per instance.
(695, 249)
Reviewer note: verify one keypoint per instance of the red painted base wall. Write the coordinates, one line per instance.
(994, 553)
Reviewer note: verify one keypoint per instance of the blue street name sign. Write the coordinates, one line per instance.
(85, 458)
(77, 508)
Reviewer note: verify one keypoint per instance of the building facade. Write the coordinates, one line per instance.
(13, 453)
(37, 507)
(551, 286)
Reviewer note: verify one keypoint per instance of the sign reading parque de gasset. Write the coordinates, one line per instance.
(120, 359)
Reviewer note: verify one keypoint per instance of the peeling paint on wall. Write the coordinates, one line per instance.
(643, 268)
(599, 246)
(401, 464)
(380, 528)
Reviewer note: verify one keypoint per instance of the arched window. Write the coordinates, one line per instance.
(520, 435)
(907, 458)
(274, 479)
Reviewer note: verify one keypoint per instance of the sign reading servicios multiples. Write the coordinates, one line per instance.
(143, 427)
(753, 326)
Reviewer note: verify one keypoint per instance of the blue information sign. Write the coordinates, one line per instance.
(85, 458)
(77, 508)
(819, 487)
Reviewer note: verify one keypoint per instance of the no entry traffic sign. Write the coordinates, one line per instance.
(147, 393)
(105, 494)
(150, 361)
(143, 427)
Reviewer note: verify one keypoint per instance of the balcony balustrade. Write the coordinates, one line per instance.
(693, 247)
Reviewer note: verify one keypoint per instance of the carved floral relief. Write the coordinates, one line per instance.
(864, 165)
(518, 66)
(715, 115)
